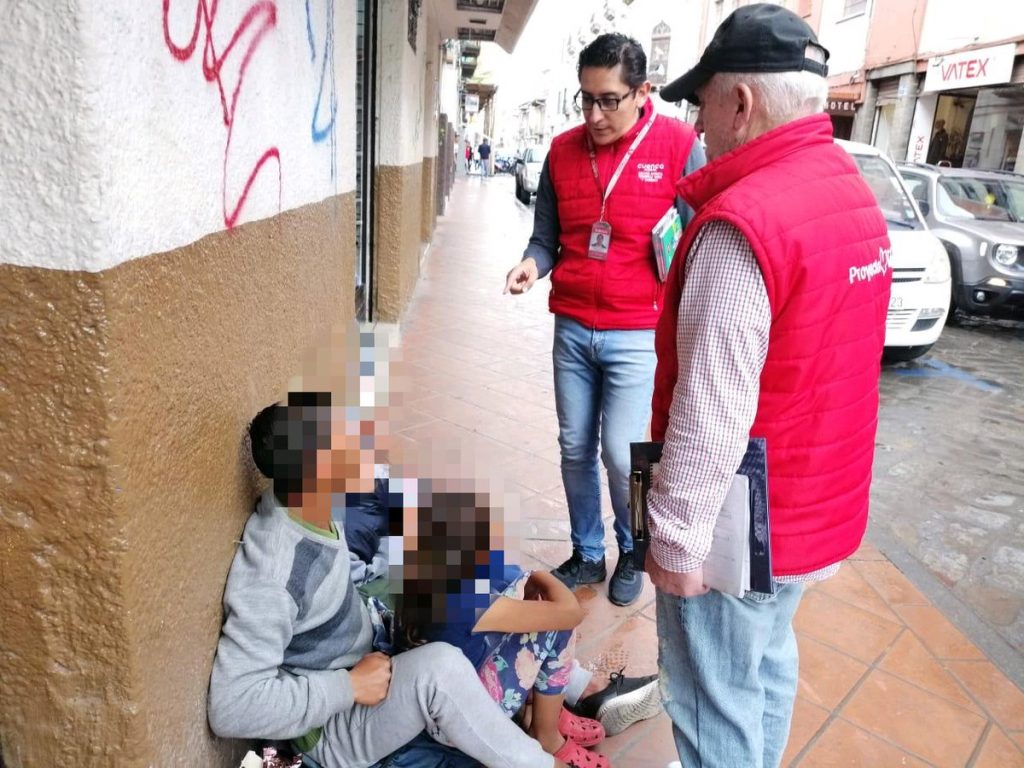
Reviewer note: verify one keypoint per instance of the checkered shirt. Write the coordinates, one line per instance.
(722, 341)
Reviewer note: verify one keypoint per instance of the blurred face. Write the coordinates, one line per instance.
(608, 126)
(355, 447)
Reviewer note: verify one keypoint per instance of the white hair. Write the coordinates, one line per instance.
(780, 96)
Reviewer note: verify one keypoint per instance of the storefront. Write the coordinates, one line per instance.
(971, 111)
(841, 107)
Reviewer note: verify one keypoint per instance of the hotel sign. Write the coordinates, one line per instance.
(840, 105)
(969, 69)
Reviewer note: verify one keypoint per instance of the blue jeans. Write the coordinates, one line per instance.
(603, 386)
(729, 675)
(424, 752)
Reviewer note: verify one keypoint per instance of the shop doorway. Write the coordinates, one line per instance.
(842, 127)
(951, 129)
(366, 154)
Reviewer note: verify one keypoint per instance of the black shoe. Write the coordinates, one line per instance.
(576, 571)
(627, 581)
(625, 701)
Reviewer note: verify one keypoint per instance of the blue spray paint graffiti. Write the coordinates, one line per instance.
(323, 128)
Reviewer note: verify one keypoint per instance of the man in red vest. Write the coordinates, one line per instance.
(604, 186)
(773, 328)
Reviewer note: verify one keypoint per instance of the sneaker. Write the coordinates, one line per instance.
(627, 581)
(625, 701)
(576, 571)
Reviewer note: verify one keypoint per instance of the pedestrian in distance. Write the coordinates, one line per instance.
(773, 328)
(604, 186)
(484, 150)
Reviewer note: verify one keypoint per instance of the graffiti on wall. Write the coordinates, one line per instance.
(256, 24)
(322, 126)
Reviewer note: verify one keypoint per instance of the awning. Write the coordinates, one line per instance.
(499, 21)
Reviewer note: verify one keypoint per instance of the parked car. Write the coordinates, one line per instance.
(528, 166)
(919, 302)
(978, 217)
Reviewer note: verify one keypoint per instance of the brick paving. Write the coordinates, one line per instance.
(886, 679)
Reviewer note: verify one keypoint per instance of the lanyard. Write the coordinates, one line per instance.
(622, 163)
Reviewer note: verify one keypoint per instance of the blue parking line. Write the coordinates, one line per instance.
(937, 369)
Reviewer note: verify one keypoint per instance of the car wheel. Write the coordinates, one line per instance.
(904, 354)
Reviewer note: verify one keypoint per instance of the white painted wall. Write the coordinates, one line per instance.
(400, 83)
(845, 38)
(950, 25)
(117, 146)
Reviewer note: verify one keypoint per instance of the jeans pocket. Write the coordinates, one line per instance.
(759, 597)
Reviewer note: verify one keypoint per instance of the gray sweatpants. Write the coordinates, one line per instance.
(433, 687)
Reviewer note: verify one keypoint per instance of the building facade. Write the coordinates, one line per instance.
(196, 196)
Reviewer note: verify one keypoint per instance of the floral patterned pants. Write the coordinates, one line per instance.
(538, 661)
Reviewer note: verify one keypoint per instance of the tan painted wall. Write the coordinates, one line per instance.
(895, 41)
(125, 484)
(428, 199)
(399, 228)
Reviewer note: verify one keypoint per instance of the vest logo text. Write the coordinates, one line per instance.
(876, 268)
(651, 172)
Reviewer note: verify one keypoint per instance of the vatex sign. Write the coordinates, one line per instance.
(984, 66)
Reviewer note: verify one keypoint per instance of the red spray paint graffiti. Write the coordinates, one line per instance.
(262, 18)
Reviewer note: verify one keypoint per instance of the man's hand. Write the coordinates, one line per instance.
(689, 584)
(521, 277)
(371, 678)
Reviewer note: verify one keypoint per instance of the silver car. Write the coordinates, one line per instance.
(979, 217)
(528, 167)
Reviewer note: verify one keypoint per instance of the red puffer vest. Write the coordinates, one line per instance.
(820, 240)
(622, 292)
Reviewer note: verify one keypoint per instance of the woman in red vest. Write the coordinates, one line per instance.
(604, 186)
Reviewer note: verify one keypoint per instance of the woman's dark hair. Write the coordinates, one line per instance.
(610, 50)
(453, 546)
(285, 439)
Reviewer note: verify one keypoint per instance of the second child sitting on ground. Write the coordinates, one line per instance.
(455, 587)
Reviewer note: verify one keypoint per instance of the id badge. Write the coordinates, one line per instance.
(600, 240)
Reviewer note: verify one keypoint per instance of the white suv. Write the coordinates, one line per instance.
(919, 301)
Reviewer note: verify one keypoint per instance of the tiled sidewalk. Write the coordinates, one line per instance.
(885, 679)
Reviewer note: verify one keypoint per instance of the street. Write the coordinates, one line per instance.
(948, 490)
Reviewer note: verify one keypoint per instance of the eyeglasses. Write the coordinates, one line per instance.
(607, 103)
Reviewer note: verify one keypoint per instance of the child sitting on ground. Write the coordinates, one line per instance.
(294, 658)
(455, 587)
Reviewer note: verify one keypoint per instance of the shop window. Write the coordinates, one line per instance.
(854, 8)
(993, 136)
(884, 116)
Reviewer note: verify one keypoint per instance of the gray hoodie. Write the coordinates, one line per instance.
(293, 625)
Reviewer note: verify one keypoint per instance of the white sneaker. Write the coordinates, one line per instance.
(674, 764)
(620, 712)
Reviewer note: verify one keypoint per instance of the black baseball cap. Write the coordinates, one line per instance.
(755, 38)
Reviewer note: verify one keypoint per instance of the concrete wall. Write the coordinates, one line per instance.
(845, 38)
(399, 183)
(893, 42)
(952, 25)
(173, 241)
